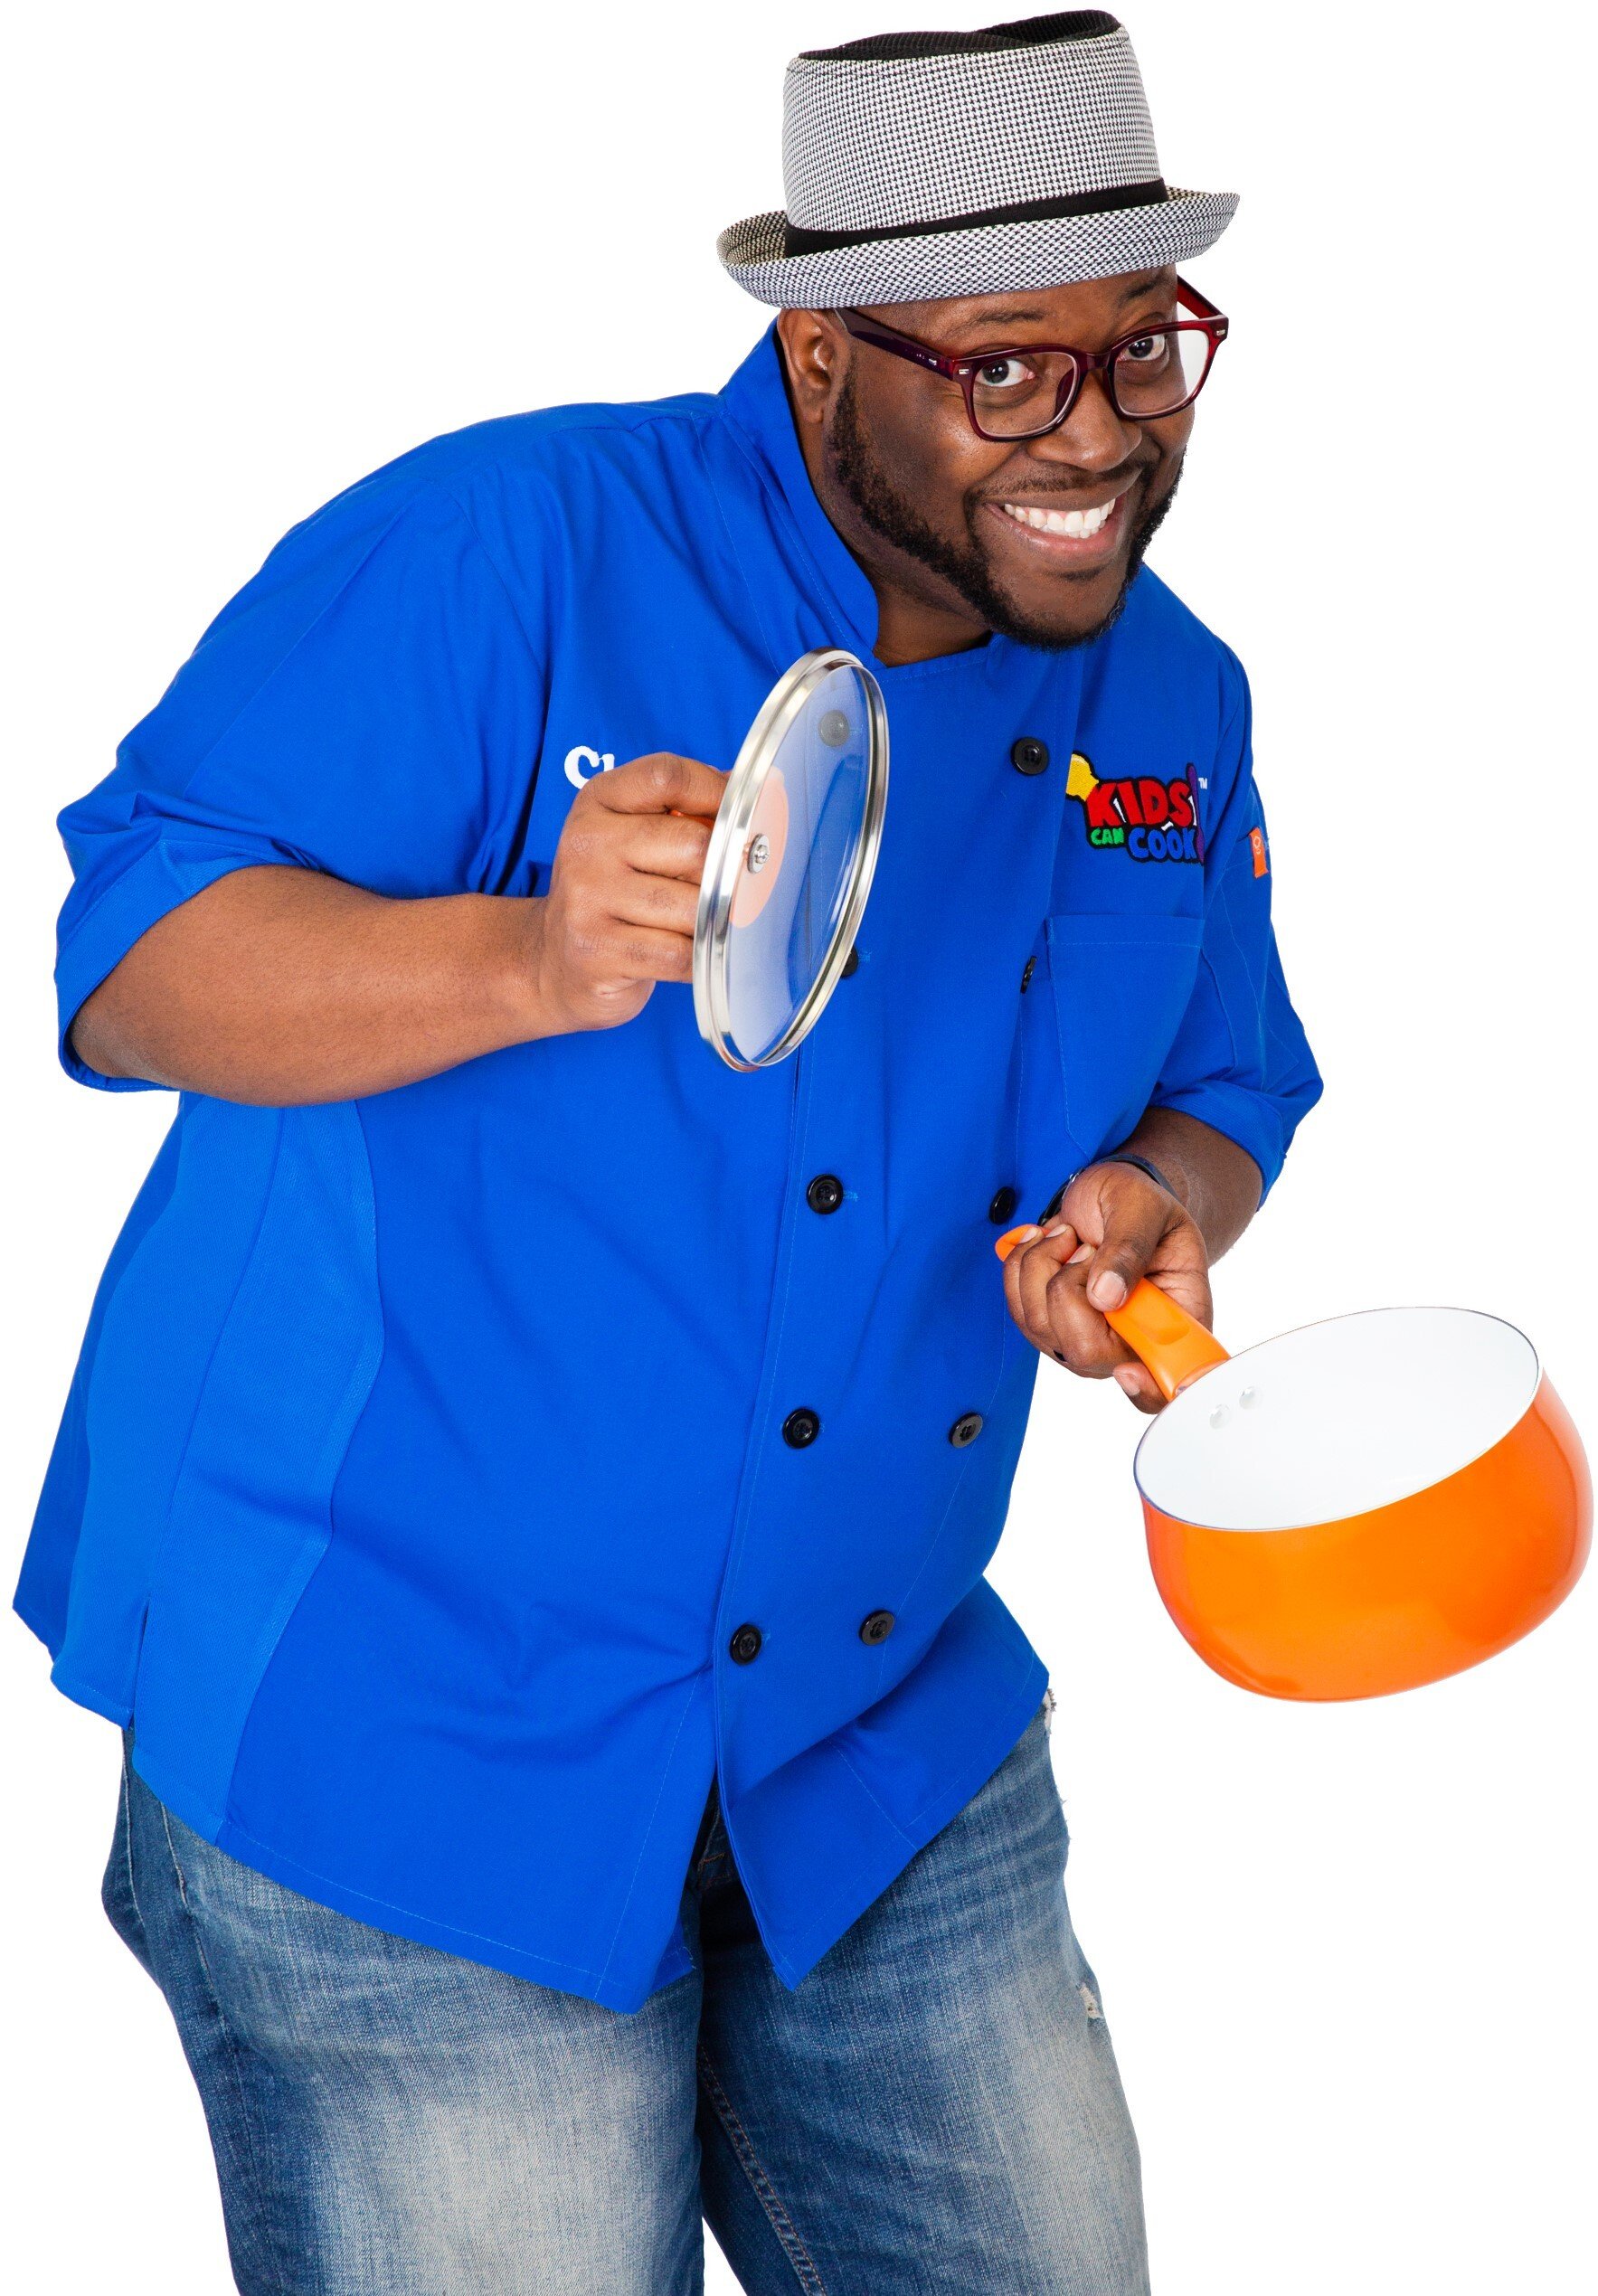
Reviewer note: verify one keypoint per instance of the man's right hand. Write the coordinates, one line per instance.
(618, 915)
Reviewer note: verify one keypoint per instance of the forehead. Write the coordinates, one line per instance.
(1073, 314)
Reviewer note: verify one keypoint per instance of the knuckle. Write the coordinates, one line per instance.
(660, 774)
(661, 897)
(584, 837)
(587, 945)
(591, 934)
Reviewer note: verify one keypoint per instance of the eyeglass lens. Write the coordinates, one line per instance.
(1016, 395)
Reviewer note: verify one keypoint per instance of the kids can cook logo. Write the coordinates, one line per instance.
(1152, 819)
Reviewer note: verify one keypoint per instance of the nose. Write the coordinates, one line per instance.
(1092, 437)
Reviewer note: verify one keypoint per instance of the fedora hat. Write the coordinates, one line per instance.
(923, 163)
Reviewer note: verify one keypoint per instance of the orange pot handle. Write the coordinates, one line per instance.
(1175, 1346)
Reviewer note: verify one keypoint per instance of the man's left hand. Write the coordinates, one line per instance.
(1114, 1224)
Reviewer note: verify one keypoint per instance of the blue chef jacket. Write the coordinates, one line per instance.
(426, 1451)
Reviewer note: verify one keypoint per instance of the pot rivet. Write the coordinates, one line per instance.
(1249, 1398)
(1220, 1415)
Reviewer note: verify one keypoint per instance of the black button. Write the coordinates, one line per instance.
(877, 1627)
(745, 1646)
(1027, 969)
(1003, 1204)
(851, 964)
(801, 1428)
(966, 1429)
(825, 1193)
(1029, 755)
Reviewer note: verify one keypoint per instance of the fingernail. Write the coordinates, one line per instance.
(1026, 1235)
(1126, 1379)
(1082, 1251)
(1107, 1290)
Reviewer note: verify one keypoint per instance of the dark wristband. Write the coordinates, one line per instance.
(1117, 1156)
(1125, 1155)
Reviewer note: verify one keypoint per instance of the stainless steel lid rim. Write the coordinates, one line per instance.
(725, 860)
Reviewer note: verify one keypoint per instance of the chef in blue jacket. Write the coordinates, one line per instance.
(527, 1488)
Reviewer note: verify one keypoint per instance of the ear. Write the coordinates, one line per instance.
(817, 352)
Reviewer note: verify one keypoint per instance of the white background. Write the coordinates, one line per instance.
(1346, 1952)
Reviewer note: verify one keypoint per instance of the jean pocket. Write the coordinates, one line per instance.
(1121, 985)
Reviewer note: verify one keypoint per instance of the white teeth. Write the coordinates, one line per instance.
(1078, 523)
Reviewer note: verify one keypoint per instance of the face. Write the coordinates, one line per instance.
(1038, 537)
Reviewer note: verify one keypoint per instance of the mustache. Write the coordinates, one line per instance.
(1119, 481)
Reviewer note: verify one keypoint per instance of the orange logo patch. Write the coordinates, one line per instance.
(1256, 840)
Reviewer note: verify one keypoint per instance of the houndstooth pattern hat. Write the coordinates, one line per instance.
(925, 164)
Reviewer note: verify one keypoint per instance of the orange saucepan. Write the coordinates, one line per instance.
(1360, 1506)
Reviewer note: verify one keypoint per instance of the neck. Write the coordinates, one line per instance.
(917, 618)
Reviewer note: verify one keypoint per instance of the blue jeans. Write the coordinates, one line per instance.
(935, 2110)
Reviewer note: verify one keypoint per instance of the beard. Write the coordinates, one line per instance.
(964, 567)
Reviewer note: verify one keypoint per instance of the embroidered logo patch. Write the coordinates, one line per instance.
(1153, 820)
(1256, 846)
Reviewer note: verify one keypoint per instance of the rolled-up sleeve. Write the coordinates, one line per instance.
(369, 706)
(1241, 1061)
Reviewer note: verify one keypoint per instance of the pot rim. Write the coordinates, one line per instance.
(1312, 1521)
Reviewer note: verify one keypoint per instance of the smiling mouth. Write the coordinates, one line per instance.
(1065, 533)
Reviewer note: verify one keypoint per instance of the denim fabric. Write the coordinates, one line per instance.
(936, 2108)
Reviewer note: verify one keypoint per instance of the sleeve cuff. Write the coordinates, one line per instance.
(1249, 1119)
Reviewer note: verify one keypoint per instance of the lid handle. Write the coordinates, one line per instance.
(1159, 1330)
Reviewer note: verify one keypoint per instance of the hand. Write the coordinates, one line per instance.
(1114, 1224)
(618, 915)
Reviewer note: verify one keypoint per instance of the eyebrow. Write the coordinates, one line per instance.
(1029, 315)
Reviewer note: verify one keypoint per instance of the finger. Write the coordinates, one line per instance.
(1080, 1336)
(661, 844)
(1041, 1265)
(667, 904)
(1012, 1268)
(1033, 1269)
(1139, 1385)
(623, 951)
(660, 783)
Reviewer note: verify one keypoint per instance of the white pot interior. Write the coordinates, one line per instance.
(1337, 1418)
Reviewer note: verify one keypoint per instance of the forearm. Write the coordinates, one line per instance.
(1216, 1181)
(280, 985)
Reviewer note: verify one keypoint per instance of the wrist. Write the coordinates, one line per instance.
(511, 969)
(1163, 1176)
(1132, 1157)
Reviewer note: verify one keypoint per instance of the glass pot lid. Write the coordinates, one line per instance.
(792, 851)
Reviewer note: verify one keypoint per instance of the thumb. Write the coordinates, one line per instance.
(1123, 1257)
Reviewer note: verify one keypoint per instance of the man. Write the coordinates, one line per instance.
(527, 1488)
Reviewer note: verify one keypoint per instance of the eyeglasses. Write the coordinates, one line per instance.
(1024, 392)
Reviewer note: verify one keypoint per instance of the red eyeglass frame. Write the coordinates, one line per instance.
(1207, 320)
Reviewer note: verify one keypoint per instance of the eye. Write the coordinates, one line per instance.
(1146, 350)
(1004, 374)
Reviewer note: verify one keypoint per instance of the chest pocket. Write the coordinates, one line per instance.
(1120, 986)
